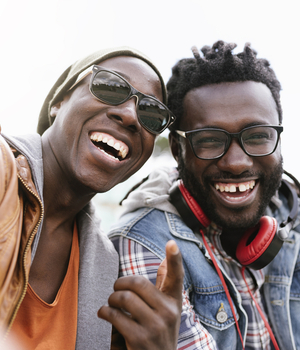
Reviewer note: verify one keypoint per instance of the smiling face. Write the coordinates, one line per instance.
(98, 145)
(235, 189)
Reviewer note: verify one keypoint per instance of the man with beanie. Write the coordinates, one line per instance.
(97, 127)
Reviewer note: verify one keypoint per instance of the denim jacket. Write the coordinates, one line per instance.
(152, 228)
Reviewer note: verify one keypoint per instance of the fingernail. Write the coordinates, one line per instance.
(173, 247)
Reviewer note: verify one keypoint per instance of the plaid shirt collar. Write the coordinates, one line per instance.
(213, 237)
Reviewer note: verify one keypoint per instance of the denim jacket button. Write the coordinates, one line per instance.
(221, 315)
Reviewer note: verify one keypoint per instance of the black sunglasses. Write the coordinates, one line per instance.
(256, 141)
(111, 88)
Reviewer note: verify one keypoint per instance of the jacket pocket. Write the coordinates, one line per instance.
(213, 308)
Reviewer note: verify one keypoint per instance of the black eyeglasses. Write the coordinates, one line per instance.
(111, 88)
(256, 141)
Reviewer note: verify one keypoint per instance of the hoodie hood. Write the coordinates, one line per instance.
(153, 193)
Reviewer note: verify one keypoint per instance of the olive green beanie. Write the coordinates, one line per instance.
(68, 78)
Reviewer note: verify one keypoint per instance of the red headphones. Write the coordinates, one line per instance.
(260, 244)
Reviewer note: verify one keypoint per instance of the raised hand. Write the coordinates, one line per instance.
(148, 316)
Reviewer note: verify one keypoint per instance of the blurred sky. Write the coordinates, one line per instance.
(41, 38)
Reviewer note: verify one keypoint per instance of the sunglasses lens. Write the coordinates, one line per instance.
(153, 115)
(110, 88)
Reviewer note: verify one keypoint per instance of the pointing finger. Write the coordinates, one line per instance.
(161, 274)
(173, 281)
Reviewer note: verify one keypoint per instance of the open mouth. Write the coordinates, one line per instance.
(235, 192)
(107, 144)
(234, 187)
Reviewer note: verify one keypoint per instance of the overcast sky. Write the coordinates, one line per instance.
(40, 39)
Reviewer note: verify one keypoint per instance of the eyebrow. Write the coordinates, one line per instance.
(244, 126)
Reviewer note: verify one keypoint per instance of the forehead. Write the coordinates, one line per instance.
(230, 106)
(137, 72)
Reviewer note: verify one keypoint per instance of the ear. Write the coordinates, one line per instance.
(54, 109)
(174, 145)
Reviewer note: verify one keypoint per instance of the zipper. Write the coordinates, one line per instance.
(28, 244)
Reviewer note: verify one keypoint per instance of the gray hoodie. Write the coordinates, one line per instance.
(99, 262)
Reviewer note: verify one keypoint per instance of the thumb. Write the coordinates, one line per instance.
(171, 272)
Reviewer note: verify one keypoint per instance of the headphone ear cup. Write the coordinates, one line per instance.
(259, 251)
(194, 206)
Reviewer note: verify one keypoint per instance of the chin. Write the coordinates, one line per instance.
(235, 218)
(238, 219)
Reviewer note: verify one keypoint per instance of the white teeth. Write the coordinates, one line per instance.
(108, 154)
(111, 143)
(123, 151)
(232, 188)
(235, 198)
(121, 154)
(242, 188)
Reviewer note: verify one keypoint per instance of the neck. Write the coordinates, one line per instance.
(63, 198)
(230, 240)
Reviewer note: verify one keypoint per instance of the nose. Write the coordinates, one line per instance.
(126, 114)
(235, 160)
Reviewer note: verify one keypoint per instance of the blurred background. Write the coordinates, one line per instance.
(41, 38)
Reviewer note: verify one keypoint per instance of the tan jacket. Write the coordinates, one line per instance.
(99, 261)
(21, 212)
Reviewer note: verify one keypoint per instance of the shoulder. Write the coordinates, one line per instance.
(92, 239)
(146, 226)
(8, 180)
(136, 219)
(29, 145)
(152, 223)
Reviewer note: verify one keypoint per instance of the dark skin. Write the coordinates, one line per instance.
(82, 170)
(153, 309)
(231, 107)
(74, 171)
(52, 257)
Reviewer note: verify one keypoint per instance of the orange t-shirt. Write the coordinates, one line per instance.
(42, 326)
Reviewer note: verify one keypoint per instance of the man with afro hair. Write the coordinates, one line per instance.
(228, 207)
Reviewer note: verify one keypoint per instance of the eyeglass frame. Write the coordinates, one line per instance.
(133, 93)
(231, 135)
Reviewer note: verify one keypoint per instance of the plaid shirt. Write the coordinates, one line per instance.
(137, 260)
(257, 336)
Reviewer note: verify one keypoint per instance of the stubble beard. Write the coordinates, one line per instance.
(241, 218)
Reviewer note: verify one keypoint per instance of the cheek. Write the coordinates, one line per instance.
(272, 160)
(191, 162)
(148, 141)
(197, 167)
(184, 151)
